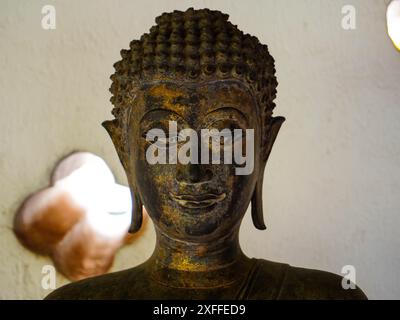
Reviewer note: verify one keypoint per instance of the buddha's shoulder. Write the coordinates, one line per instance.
(299, 283)
(107, 286)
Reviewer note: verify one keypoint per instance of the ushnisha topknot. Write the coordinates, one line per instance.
(195, 45)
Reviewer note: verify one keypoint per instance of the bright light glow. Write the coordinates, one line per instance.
(80, 220)
(393, 22)
(90, 182)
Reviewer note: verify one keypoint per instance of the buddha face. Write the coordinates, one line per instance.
(193, 201)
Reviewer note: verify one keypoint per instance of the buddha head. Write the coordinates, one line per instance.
(194, 73)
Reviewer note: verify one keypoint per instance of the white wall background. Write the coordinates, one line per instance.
(332, 183)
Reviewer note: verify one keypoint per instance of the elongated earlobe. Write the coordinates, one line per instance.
(257, 213)
(114, 130)
(137, 213)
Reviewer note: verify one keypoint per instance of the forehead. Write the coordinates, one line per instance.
(188, 97)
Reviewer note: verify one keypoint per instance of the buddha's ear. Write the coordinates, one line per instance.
(271, 134)
(257, 213)
(115, 131)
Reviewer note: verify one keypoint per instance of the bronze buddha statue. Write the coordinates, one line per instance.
(199, 71)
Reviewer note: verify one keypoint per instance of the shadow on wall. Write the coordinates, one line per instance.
(80, 220)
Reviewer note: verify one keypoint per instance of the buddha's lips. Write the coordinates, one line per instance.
(198, 201)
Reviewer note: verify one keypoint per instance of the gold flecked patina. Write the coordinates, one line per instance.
(162, 91)
(199, 70)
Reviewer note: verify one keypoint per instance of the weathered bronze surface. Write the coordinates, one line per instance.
(198, 69)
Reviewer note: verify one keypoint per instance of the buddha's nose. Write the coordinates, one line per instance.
(193, 173)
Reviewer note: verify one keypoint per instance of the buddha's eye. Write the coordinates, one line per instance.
(229, 135)
(163, 139)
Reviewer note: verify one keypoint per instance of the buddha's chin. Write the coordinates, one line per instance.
(196, 231)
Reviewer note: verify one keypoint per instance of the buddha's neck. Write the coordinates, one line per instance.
(193, 256)
(178, 261)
